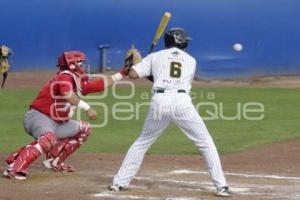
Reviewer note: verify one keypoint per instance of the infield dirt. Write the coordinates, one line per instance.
(269, 172)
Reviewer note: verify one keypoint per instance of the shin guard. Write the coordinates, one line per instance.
(65, 147)
(28, 154)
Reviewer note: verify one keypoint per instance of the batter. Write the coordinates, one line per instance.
(173, 71)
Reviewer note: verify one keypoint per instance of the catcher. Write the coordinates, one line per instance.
(5, 53)
(48, 119)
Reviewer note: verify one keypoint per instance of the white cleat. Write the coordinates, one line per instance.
(117, 188)
(47, 163)
(62, 167)
(224, 192)
(13, 175)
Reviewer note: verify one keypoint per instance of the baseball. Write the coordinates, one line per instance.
(237, 47)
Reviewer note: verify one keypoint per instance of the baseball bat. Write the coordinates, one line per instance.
(160, 29)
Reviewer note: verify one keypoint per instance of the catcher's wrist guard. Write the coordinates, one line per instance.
(83, 105)
(117, 76)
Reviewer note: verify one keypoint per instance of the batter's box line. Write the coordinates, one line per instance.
(118, 196)
(185, 171)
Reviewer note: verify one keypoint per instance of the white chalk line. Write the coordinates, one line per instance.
(118, 196)
(182, 198)
(246, 191)
(239, 190)
(131, 186)
(185, 171)
(234, 189)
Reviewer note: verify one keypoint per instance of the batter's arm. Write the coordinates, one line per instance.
(142, 69)
(133, 75)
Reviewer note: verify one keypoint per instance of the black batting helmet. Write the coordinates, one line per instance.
(176, 37)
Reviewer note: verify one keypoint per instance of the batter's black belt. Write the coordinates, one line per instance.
(163, 91)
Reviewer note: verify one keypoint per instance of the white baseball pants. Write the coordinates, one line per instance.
(164, 109)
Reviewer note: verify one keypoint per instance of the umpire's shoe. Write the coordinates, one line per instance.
(117, 188)
(224, 192)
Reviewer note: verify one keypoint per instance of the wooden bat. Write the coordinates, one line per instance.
(160, 29)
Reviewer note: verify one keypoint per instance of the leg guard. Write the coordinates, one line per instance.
(12, 157)
(65, 147)
(28, 155)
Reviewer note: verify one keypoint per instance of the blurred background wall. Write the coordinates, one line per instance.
(269, 30)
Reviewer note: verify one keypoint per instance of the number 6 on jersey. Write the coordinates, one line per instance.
(175, 71)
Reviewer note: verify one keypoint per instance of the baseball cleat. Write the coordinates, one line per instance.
(21, 175)
(117, 188)
(224, 192)
(47, 163)
(62, 167)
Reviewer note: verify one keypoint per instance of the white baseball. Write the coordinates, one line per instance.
(237, 47)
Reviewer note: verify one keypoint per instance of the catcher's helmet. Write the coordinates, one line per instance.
(69, 58)
(72, 60)
(176, 37)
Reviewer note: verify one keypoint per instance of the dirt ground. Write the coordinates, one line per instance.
(268, 172)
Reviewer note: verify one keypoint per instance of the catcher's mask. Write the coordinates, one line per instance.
(72, 60)
(176, 37)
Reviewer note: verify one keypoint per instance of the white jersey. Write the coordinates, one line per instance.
(172, 69)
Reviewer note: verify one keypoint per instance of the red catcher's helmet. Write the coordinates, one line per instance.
(68, 59)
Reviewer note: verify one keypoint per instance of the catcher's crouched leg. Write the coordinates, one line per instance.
(65, 147)
(20, 161)
(12, 157)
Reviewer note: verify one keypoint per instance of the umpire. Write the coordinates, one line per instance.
(5, 53)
